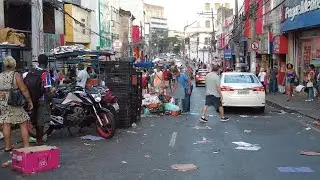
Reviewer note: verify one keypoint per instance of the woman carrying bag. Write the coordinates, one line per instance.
(12, 94)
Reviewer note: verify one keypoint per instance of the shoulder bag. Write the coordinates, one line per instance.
(16, 98)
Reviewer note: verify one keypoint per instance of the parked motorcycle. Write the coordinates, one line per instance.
(110, 102)
(81, 108)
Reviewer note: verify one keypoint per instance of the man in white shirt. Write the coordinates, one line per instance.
(82, 76)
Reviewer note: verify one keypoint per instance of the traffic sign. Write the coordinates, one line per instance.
(117, 44)
(255, 46)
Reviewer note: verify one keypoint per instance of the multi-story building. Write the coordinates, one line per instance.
(200, 31)
(157, 28)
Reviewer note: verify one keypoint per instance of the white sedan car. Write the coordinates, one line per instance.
(242, 89)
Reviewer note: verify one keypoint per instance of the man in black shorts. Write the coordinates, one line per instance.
(213, 94)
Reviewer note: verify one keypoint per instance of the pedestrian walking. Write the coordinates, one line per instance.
(263, 78)
(185, 82)
(213, 94)
(273, 80)
(10, 114)
(289, 80)
(311, 82)
(39, 84)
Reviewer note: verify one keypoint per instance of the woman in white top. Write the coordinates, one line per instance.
(263, 78)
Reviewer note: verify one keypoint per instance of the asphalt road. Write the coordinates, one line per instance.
(148, 151)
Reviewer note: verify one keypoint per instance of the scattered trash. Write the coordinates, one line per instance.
(92, 138)
(298, 132)
(6, 164)
(169, 154)
(308, 128)
(147, 156)
(244, 116)
(295, 169)
(151, 125)
(145, 134)
(247, 131)
(210, 115)
(202, 127)
(142, 143)
(184, 167)
(124, 162)
(204, 141)
(117, 141)
(132, 132)
(247, 146)
(161, 170)
(282, 112)
(86, 144)
(292, 113)
(226, 132)
(134, 125)
(310, 153)
(215, 152)
(34, 140)
(299, 116)
(316, 123)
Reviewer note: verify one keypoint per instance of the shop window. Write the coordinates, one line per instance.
(207, 7)
(207, 23)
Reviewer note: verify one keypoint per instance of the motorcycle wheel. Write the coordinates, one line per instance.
(108, 129)
(32, 130)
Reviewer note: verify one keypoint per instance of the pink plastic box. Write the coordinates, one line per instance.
(35, 159)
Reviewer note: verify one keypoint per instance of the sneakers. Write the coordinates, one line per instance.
(224, 119)
(203, 119)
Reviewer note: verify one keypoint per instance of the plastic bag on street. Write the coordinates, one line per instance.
(171, 107)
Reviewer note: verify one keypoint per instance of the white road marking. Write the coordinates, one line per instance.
(173, 139)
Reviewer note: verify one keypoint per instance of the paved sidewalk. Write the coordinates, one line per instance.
(296, 105)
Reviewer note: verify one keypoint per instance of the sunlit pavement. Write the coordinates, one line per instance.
(148, 151)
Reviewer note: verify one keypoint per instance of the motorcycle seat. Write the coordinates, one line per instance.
(57, 101)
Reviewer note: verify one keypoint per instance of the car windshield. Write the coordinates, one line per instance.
(240, 78)
(202, 73)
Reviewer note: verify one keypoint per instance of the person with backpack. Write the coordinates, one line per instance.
(38, 81)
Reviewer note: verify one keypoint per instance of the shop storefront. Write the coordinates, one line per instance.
(301, 22)
(279, 51)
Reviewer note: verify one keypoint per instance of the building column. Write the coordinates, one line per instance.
(1, 14)
(37, 29)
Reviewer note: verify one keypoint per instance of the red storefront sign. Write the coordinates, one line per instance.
(280, 44)
(135, 34)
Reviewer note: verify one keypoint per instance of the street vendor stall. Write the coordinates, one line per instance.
(66, 59)
(16, 52)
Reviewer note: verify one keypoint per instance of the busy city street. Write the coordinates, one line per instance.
(148, 150)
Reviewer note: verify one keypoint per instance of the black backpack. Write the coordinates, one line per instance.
(34, 84)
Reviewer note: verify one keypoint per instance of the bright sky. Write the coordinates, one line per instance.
(179, 12)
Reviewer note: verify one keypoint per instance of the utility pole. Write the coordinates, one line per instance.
(2, 14)
(236, 36)
(253, 17)
(197, 45)
(37, 29)
(213, 40)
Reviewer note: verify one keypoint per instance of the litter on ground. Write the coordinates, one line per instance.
(204, 141)
(134, 125)
(247, 146)
(161, 170)
(184, 167)
(308, 128)
(244, 116)
(124, 162)
(310, 153)
(132, 132)
(202, 127)
(92, 138)
(247, 131)
(295, 169)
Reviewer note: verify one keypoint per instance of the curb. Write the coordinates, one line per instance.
(289, 110)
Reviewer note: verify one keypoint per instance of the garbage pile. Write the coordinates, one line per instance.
(159, 104)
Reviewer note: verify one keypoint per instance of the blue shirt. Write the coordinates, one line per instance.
(183, 80)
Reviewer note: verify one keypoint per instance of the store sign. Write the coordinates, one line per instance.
(227, 53)
(304, 7)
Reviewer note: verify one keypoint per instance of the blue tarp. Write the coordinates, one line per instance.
(144, 64)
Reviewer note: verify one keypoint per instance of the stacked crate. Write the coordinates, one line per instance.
(125, 83)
